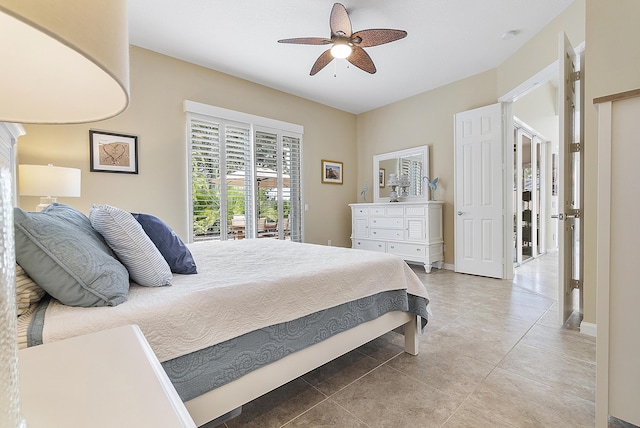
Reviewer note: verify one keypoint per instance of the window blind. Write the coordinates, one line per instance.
(205, 171)
(246, 180)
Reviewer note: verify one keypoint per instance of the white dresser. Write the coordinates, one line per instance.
(410, 230)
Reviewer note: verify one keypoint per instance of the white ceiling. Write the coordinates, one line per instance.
(447, 40)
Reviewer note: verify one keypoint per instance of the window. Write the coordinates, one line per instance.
(245, 175)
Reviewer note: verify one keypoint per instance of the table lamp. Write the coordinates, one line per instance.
(393, 182)
(48, 182)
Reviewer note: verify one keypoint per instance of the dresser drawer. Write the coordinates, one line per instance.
(387, 222)
(407, 250)
(395, 211)
(360, 212)
(363, 244)
(415, 211)
(394, 234)
(377, 211)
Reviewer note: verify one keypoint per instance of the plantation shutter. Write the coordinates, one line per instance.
(269, 183)
(415, 178)
(291, 166)
(245, 179)
(205, 170)
(238, 170)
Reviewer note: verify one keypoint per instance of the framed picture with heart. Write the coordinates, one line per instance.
(111, 152)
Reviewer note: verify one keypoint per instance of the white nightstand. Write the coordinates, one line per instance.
(107, 379)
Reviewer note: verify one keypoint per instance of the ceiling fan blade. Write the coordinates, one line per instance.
(377, 37)
(362, 60)
(322, 61)
(339, 21)
(307, 41)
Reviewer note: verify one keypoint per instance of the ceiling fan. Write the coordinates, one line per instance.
(347, 44)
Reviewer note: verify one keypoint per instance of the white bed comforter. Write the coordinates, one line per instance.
(241, 286)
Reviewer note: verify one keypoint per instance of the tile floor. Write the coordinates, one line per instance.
(493, 355)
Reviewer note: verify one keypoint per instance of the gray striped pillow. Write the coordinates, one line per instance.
(27, 291)
(131, 244)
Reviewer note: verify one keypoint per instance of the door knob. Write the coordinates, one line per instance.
(460, 213)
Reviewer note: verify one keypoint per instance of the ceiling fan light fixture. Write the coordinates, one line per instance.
(341, 50)
(346, 43)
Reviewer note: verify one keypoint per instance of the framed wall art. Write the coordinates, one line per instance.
(332, 172)
(111, 152)
(381, 178)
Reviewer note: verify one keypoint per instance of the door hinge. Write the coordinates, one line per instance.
(572, 213)
(575, 76)
(576, 283)
(575, 147)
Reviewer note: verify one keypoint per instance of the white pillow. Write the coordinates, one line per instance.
(131, 244)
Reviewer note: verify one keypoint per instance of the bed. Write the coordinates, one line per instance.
(257, 314)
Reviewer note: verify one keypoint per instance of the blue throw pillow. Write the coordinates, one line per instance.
(65, 256)
(168, 243)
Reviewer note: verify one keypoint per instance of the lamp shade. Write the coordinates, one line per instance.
(63, 61)
(48, 180)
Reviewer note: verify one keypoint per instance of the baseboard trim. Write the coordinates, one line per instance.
(588, 328)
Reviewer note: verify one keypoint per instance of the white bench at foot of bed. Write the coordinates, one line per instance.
(226, 398)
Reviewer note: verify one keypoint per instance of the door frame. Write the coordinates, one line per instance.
(545, 75)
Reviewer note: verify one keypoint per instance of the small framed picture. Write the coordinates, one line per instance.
(110, 152)
(332, 172)
(381, 179)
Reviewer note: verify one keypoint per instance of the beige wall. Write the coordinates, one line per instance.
(542, 49)
(159, 85)
(428, 118)
(612, 66)
(424, 119)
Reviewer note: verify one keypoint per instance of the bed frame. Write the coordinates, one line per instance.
(227, 398)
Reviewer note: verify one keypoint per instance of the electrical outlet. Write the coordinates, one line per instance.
(329, 242)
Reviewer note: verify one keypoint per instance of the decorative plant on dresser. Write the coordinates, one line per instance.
(410, 230)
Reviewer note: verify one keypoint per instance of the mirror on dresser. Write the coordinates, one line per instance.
(412, 163)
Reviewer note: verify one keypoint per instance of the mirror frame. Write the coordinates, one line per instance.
(420, 150)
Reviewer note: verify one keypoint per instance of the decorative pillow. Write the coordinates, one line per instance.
(27, 291)
(62, 253)
(168, 243)
(131, 244)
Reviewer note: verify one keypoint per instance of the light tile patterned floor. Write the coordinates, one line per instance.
(494, 355)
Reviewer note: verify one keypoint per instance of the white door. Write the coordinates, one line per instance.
(570, 266)
(479, 198)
